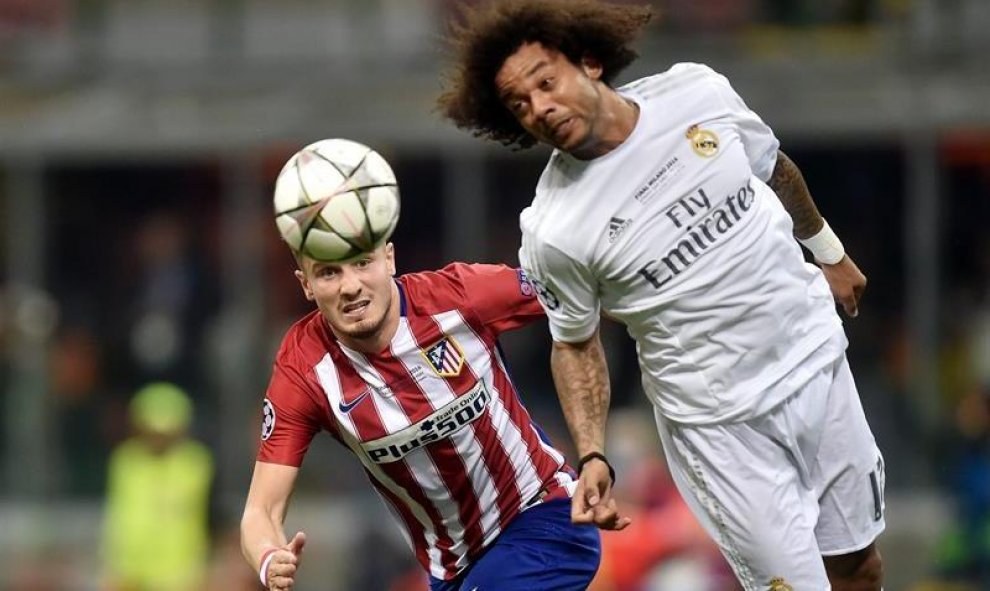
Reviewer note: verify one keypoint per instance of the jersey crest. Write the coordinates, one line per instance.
(703, 142)
(445, 357)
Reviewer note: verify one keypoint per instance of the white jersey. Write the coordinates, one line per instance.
(676, 234)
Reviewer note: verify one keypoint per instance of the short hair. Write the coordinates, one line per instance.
(486, 36)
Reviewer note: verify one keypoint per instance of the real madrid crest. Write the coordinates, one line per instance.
(445, 357)
(703, 142)
(778, 584)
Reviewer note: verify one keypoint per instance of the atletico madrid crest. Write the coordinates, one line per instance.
(445, 357)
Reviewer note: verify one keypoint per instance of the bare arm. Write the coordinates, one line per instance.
(580, 374)
(844, 278)
(261, 524)
(788, 183)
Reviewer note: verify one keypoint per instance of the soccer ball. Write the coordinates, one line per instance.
(336, 200)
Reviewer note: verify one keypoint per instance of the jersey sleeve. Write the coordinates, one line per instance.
(501, 296)
(290, 418)
(759, 141)
(566, 289)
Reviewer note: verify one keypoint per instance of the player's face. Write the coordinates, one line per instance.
(556, 101)
(357, 299)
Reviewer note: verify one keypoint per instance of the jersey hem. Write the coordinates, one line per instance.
(857, 546)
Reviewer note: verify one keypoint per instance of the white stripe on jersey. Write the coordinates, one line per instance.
(438, 393)
(551, 450)
(420, 463)
(388, 407)
(397, 518)
(326, 373)
(508, 432)
(484, 485)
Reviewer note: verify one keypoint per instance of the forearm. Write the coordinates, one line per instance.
(261, 530)
(788, 183)
(580, 375)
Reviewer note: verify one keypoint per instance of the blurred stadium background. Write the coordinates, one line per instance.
(139, 141)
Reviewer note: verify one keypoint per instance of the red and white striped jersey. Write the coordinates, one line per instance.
(434, 419)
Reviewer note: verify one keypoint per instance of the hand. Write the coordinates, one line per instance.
(593, 502)
(847, 283)
(285, 561)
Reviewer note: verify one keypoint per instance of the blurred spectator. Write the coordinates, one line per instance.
(168, 307)
(963, 552)
(86, 423)
(157, 510)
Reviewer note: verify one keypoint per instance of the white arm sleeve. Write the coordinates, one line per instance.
(566, 289)
(758, 140)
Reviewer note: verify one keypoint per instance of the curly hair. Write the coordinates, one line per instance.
(488, 36)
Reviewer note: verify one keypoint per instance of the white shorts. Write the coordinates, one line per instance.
(779, 491)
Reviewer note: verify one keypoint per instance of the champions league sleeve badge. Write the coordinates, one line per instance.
(268, 420)
(525, 287)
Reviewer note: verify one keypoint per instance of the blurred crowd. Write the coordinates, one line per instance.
(146, 280)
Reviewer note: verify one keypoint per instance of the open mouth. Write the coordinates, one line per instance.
(356, 308)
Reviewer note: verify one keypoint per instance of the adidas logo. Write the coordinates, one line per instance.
(616, 226)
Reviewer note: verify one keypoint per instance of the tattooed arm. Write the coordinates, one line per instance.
(788, 183)
(845, 278)
(580, 375)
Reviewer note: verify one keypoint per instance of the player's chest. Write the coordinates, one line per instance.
(424, 372)
(653, 214)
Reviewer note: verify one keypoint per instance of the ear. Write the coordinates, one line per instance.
(304, 283)
(591, 67)
(390, 258)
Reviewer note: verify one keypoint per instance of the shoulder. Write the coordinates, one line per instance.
(677, 77)
(195, 452)
(556, 202)
(128, 451)
(428, 292)
(305, 343)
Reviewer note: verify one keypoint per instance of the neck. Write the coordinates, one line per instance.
(614, 125)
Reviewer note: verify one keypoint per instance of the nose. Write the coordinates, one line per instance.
(350, 283)
(543, 105)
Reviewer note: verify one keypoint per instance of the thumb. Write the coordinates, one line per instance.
(852, 306)
(296, 545)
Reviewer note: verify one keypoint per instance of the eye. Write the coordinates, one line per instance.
(546, 84)
(326, 272)
(363, 263)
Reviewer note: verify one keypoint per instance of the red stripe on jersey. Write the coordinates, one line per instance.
(496, 459)
(498, 463)
(546, 464)
(450, 464)
(399, 471)
(409, 521)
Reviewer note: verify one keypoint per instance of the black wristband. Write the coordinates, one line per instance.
(596, 456)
